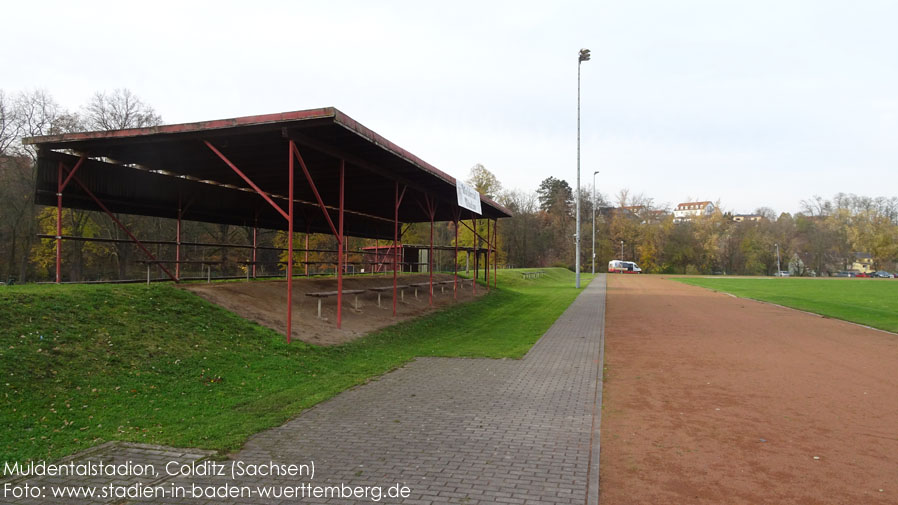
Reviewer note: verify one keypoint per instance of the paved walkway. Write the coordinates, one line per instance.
(451, 430)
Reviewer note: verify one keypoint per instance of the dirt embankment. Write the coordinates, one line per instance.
(265, 302)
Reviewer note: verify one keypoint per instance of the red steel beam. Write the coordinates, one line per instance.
(477, 235)
(305, 170)
(72, 173)
(493, 254)
(455, 265)
(486, 259)
(178, 242)
(124, 229)
(455, 260)
(337, 233)
(60, 185)
(290, 245)
(431, 208)
(396, 203)
(496, 259)
(250, 182)
(287, 215)
(340, 245)
(59, 223)
(474, 221)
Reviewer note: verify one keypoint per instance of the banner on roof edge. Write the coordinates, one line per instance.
(468, 197)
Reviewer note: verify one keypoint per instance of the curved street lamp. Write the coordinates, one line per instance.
(584, 56)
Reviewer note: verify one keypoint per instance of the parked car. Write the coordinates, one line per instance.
(882, 274)
(843, 273)
(782, 273)
(862, 274)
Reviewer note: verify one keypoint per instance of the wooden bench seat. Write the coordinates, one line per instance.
(442, 285)
(320, 295)
(419, 285)
(381, 289)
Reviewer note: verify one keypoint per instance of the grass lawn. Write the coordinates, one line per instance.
(84, 364)
(873, 302)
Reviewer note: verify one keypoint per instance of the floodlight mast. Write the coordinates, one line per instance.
(584, 56)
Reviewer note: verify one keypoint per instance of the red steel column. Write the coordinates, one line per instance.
(290, 249)
(340, 244)
(496, 259)
(486, 263)
(120, 225)
(395, 241)
(474, 222)
(60, 185)
(430, 255)
(455, 263)
(178, 244)
(59, 224)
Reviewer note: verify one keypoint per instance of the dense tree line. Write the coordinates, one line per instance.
(820, 239)
(25, 257)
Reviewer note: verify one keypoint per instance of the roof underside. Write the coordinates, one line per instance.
(148, 171)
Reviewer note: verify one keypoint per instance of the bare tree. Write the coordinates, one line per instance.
(623, 197)
(36, 113)
(118, 110)
(29, 114)
(9, 126)
(767, 213)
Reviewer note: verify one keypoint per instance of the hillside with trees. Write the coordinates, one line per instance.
(820, 239)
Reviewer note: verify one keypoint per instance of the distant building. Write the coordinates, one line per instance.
(747, 217)
(863, 262)
(688, 210)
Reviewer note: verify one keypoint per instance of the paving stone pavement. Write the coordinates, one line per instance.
(451, 430)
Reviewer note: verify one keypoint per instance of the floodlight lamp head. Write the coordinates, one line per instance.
(584, 55)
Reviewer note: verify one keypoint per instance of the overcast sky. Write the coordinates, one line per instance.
(753, 102)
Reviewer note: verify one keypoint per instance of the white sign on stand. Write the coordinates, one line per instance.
(468, 197)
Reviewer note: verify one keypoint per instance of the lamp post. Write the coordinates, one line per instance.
(594, 222)
(584, 56)
(622, 250)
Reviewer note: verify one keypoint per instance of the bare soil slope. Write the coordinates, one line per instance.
(710, 398)
(265, 302)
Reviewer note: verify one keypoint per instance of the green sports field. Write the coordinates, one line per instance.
(873, 302)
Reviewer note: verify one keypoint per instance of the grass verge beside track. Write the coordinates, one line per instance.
(873, 302)
(84, 364)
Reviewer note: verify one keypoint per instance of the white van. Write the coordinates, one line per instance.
(623, 267)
